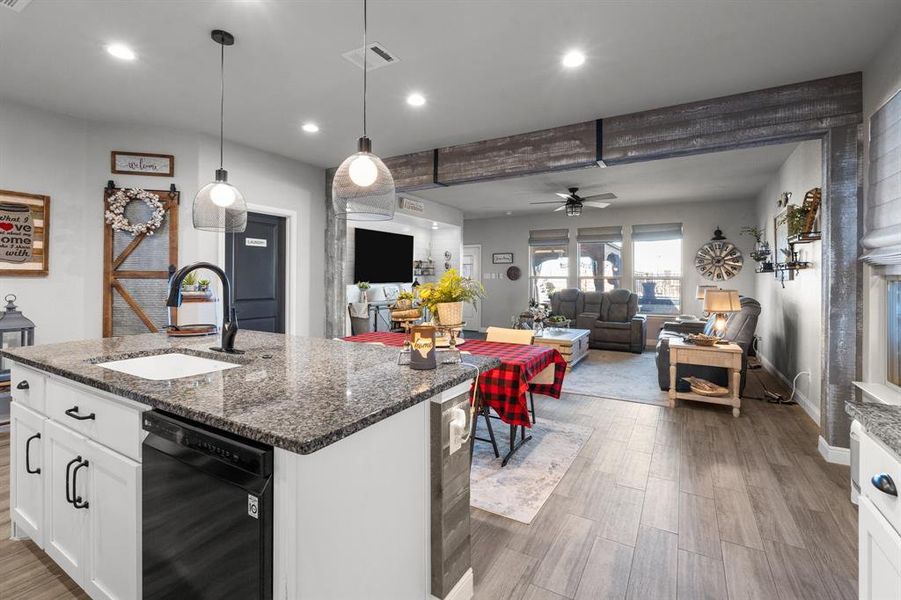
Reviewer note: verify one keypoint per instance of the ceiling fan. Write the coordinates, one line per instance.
(573, 203)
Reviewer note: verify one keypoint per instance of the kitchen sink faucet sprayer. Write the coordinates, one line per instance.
(229, 318)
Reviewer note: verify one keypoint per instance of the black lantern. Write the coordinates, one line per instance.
(573, 209)
(12, 321)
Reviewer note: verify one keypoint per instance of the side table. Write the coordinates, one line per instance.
(727, 356)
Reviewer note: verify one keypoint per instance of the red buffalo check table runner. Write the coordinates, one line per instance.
(504, 388)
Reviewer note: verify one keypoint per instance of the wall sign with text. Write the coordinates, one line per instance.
(142, 163)
(24, 239)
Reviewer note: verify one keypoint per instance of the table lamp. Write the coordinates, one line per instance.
(702, 289)
(720, 303)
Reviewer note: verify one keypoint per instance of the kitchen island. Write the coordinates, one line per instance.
(360, 448)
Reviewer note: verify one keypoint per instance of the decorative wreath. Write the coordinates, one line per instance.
(115, 212)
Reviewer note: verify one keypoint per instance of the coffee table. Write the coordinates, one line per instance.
(727, 356)
(571, 343)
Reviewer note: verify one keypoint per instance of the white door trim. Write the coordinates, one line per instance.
(477, 326)
(291, 245)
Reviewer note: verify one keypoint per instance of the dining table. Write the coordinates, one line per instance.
(505, 389)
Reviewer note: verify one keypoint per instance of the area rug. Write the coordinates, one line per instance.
(519, 490)
(617, 375)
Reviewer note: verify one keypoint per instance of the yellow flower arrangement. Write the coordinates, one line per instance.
(452, 287)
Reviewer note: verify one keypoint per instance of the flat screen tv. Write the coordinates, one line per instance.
(381, 257)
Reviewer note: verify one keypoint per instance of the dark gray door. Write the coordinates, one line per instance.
(259, 272)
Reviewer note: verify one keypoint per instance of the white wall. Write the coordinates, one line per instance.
(881, 81)
(504, 298)
(68, 159)
(791, 322)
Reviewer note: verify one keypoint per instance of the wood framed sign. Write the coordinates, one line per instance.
(24, 234)
(142, 163)
(502, 258)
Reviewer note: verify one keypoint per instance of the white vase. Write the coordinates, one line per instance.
(450, 313)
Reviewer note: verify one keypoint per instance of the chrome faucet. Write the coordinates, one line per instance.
(229, 319)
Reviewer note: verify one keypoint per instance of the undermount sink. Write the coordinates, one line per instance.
(167, 366)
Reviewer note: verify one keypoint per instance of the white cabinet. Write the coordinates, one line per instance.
(879, 522)
(880, 555)
(27, 473)
(114, 535)
(75, 481)
(66, 517)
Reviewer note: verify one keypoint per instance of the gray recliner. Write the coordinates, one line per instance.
(740, 328)
(612, 317)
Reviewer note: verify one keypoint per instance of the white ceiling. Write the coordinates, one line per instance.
(488, 68)
(736, 174)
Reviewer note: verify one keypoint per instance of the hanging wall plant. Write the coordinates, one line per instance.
(115, 211)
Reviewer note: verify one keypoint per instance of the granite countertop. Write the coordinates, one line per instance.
(296, 393)
(882, 421)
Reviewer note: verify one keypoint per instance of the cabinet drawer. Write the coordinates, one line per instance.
(115, 424)
(875, 459)
(27, 386)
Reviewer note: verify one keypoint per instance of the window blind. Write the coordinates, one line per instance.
(656, 232)
(613, 233)
(882, 227)
(549, 237)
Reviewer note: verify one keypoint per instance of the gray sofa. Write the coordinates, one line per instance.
(740, 329)
(612, 317)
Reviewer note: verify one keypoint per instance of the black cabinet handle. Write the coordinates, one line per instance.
(69, 466)
(23, 385)
(884, 483)
(73, 412)
(76, 501)
(28, 468)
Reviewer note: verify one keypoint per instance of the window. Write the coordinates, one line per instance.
(657, 268)
(548, 263)
(893, 372)
(600, 258)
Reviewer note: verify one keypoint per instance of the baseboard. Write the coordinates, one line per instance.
(812, 410)
(834, 454)
(463, 590)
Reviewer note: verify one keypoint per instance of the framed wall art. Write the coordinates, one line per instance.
(502, 258)
(142, 163)
(24, 234)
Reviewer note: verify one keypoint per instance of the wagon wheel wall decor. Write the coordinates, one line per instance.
(718, 260)
(136, 269)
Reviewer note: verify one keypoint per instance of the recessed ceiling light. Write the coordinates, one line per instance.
(508, 213)
(573, 59)
(416, 99)
(121, 51)
(310, 127)
(434, 225)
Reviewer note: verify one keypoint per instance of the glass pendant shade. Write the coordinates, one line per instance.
(220, 206)
(363, 188)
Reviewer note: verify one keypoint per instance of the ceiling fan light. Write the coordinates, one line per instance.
(573, 209)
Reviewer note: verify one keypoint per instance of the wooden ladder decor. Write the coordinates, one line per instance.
(147, 268)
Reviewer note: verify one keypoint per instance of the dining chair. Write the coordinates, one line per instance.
(525, 337)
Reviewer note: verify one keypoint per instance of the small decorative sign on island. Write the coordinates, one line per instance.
(142, 163)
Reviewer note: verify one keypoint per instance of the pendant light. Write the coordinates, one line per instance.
(363, 188)
(220, 206)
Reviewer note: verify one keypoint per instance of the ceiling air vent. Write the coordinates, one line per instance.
(378, 56)
(16, 5)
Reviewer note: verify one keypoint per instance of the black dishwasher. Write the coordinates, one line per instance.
(207, 513)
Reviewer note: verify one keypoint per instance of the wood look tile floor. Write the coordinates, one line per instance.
(685, 503)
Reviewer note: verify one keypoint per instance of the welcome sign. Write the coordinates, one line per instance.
(24, 223)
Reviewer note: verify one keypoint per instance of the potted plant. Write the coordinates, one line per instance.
(445, 298)
(761, 250)
(189, 283)
(204, 285)
(404, 300)
(363, 286)
(795, 219)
